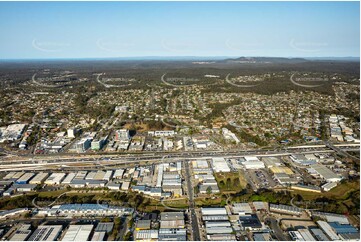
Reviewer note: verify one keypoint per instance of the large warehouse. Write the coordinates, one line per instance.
(78, 232)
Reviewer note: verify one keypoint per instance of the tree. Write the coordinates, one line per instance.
(209, 190)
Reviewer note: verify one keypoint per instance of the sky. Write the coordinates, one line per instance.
(46, 30)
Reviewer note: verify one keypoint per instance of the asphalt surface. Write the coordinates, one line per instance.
(194, 220)
(277, 231)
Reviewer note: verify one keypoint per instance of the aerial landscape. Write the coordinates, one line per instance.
(180, 121)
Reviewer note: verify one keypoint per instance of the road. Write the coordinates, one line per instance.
(277, 231)
(193, 216)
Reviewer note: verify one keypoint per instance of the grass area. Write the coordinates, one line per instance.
(209, 201)
(341, 192)
(179, 203)
(230, 182)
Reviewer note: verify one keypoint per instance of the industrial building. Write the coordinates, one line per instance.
(78, 232)
(250, 222)
(148, 235)
(318, 234)
(241, 209)
(68, 178)
(219, 164)
(55, 179)
(172, 234)
(24, 179)
(306, 235)
(98, 236)
(326, 173)
(39, 178)
(87, 209)
(285, 209)
(300, 159)
(46, 233)
(327, 229)
(252, 162)
(22, 233)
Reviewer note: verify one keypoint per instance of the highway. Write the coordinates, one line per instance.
(65, 161)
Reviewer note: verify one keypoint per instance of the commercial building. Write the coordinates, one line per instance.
(71, 133)
(83, 145)
(46, 233)
(122, 135)
(78, 232)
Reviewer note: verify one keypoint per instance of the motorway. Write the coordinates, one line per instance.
(193, 216)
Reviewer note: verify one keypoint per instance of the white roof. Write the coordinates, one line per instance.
(214, 211)
(251, 158)
(78, 232)
(328, 230)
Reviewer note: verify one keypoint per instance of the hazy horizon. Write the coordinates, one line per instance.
(79, 30)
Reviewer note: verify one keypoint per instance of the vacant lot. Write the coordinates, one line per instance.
(230, 182)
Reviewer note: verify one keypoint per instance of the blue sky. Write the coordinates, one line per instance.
(129, 29)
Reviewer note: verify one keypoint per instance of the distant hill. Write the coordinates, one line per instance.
(265, 60)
